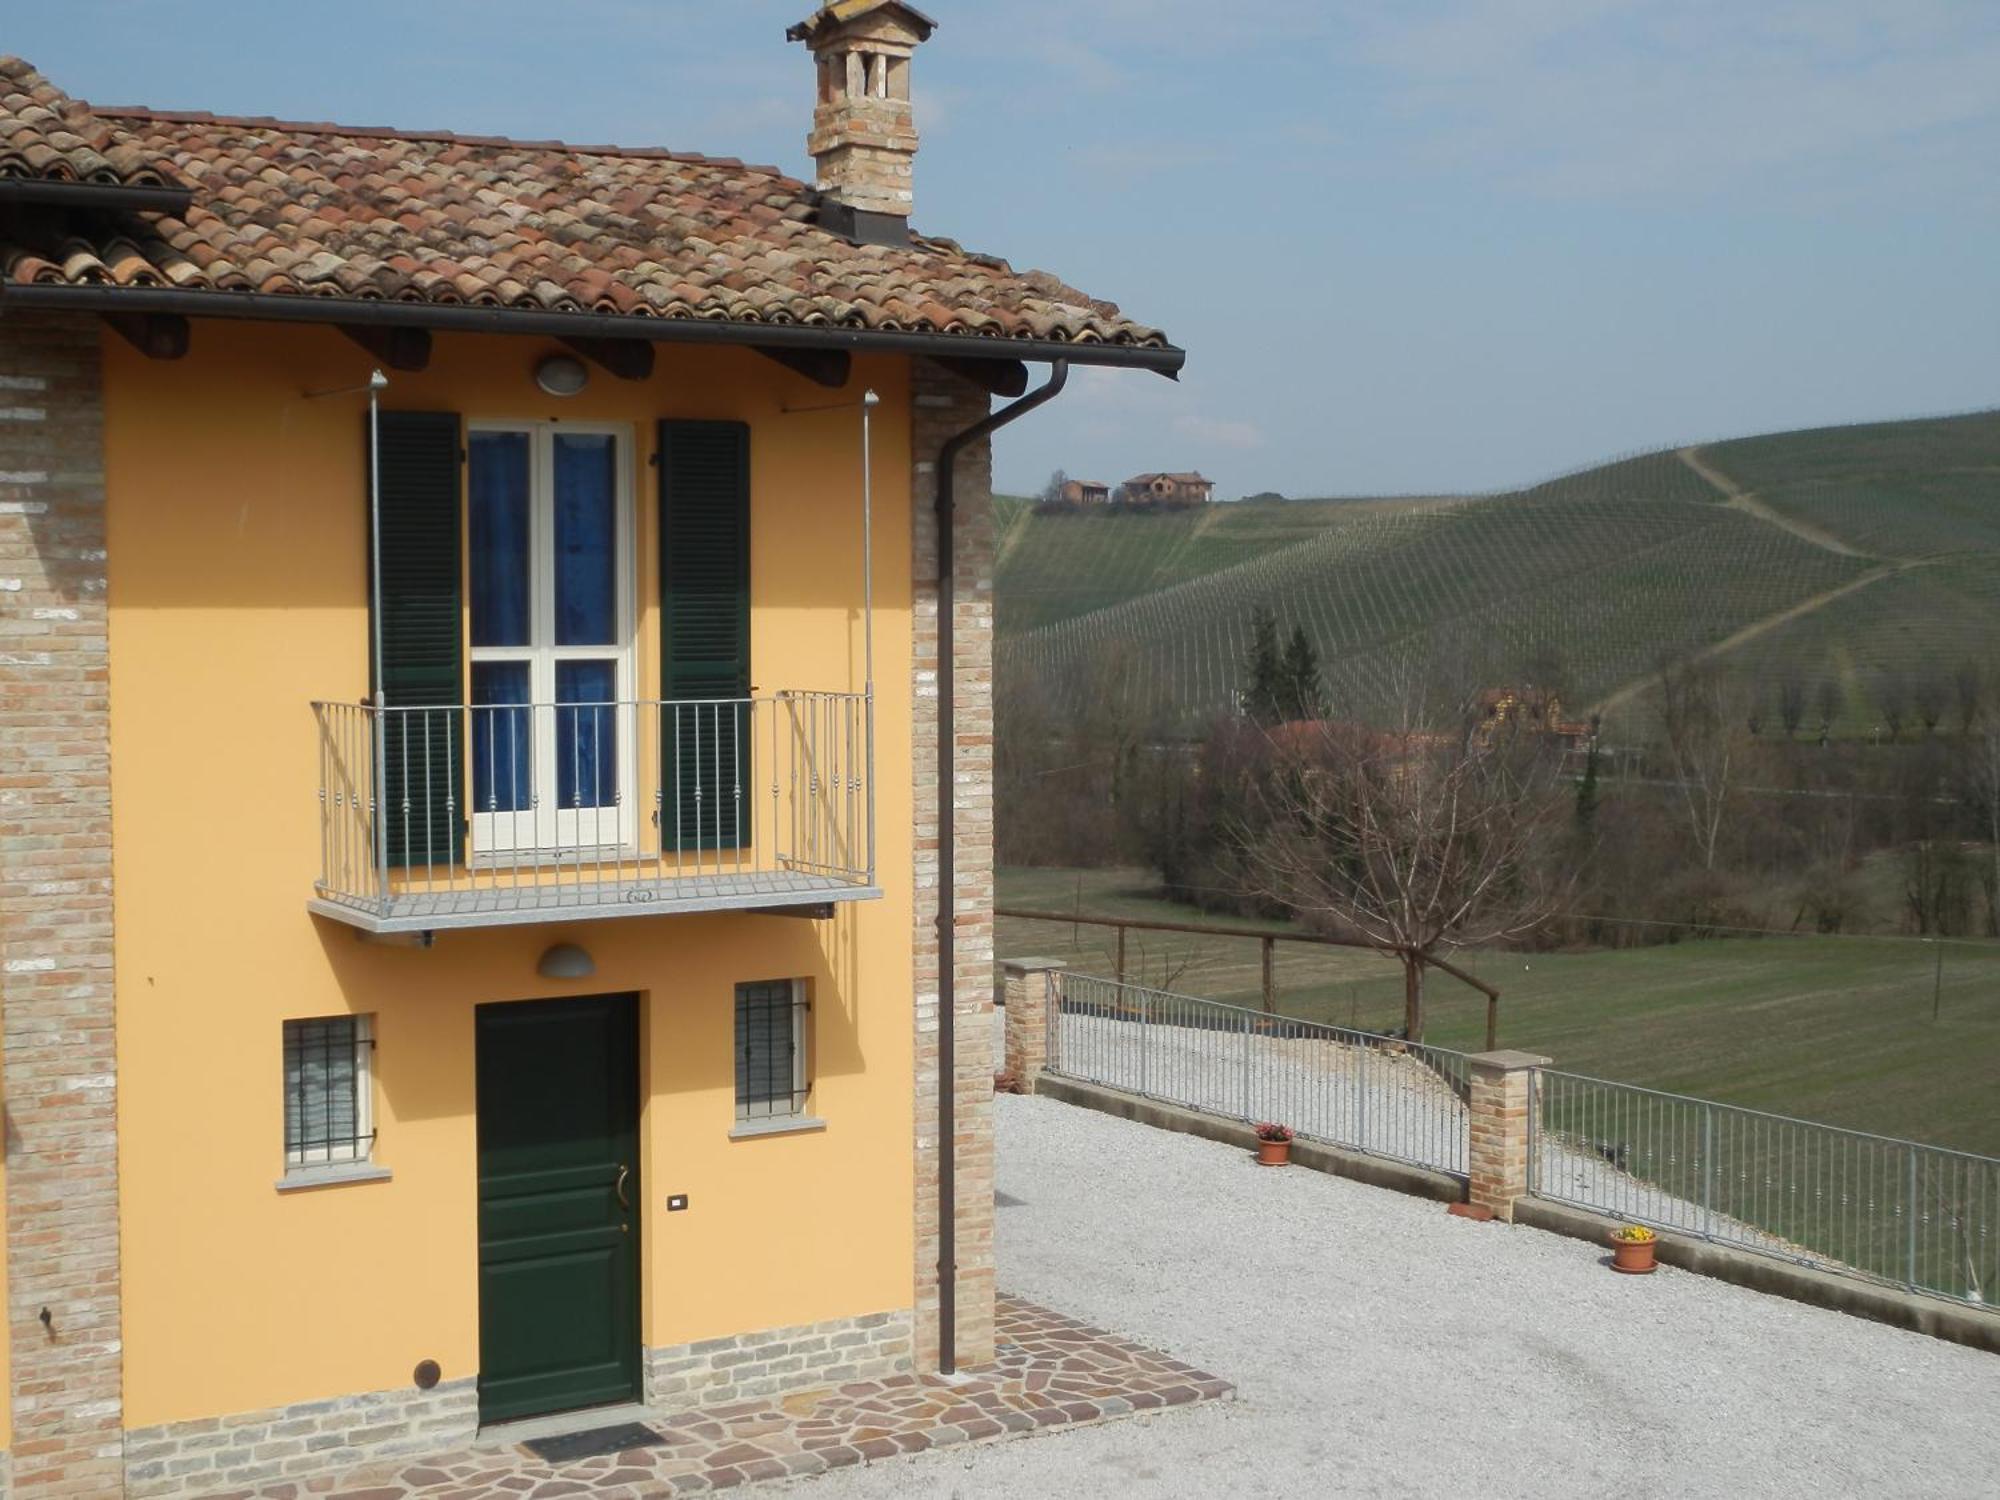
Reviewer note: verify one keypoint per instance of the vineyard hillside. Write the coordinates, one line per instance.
(1831, 554)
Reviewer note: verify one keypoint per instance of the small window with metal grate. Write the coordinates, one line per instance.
(329, 1109)
(771, 1049)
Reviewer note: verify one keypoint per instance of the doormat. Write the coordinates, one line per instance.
(596, 1443)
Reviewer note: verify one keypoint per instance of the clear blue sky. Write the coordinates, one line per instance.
(1417, 245)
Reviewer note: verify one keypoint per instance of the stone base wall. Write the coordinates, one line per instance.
(308, 1438)
(716, 1372)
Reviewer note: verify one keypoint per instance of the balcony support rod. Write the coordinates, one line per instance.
(947, 1121)
(376, 383)
(869, 401)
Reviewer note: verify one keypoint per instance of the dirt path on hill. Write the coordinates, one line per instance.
(1756, 628)
(1746, 501)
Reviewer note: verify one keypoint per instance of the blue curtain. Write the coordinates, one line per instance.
(503, 738)
(498, 537)
(586, 734)
(586, 546)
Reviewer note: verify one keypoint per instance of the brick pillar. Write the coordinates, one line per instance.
(944, 404)
(1498, 1114)
(1030, 992)
(55, 888)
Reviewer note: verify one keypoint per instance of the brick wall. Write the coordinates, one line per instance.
(1030, 990)
(944, 404)
(1497, 1108)
(55, 887)
(751, 1366)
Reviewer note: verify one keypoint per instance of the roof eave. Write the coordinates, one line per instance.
(1162, 359)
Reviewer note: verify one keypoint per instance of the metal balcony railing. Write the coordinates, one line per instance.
(472, 815)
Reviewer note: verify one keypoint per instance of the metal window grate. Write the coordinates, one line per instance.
(770, 1049)
(328, 1114)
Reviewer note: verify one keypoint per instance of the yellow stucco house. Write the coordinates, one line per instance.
(472, 643)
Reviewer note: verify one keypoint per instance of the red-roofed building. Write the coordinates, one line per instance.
(478, 613)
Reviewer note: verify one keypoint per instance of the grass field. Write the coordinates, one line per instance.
(1833, 1029)
(1591, 577)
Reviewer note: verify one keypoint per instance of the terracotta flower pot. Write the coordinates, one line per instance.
(1273, 1153)
(1633, 1257)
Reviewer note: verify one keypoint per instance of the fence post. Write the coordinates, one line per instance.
(1707, 1171)
(1145, 1019)
(1246, 1067)
(1912, 1279)
(1270, 986)
(1497, 1114)
(1361, 1098)
(1121, 955)
(1032, 990)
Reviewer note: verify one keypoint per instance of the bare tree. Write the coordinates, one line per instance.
(1440, 832)
(1052, 492)
(1791, 700)
(1891, 691)
(1829, 706)
(1698, 723)
(1969, 689)
(1983, 766)
(1930, 693)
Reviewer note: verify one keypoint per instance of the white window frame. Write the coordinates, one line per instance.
(301, 1159)
(748, 1112)
(546, 827)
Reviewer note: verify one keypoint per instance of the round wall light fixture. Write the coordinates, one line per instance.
(561, 374)
(566, 961)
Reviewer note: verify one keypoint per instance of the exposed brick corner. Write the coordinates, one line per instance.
(55, 887)
(944, 404)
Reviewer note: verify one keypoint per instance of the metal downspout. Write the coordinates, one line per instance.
(947, 465)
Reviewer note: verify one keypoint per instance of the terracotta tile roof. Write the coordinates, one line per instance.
(46, 135)
(289, 209)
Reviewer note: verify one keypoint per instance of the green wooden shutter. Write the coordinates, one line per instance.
(423, 647)
(705, 632)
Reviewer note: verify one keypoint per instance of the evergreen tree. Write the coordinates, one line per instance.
(1303, 697)
(1586, 789)
(1264, 696)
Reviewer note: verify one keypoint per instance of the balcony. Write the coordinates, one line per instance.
(489, 814)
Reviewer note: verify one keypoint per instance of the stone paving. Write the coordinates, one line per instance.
(1051, 1371)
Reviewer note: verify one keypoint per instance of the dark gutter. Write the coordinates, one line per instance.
(454, 317)
(947, 1113)
(131, 198)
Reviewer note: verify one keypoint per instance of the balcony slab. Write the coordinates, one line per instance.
(500, 905)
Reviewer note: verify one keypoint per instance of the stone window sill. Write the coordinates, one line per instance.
(333, 1176)
(776, 1125)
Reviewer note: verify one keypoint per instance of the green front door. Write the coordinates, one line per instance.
(558, 1099)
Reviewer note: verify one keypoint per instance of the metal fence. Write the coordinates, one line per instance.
(464, 810)
(1890, 1210)
(1354, 1089)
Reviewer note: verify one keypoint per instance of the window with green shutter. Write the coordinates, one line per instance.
(421, 618)
(705, 634)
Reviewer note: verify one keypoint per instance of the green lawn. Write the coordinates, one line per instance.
(1833, 1029)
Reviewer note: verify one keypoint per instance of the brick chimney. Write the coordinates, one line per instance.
(864, 137)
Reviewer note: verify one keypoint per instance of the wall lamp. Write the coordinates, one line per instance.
(566, 961)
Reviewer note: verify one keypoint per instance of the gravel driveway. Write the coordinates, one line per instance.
(1381, 1347)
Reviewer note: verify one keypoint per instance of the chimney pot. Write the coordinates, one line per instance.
(864, 135)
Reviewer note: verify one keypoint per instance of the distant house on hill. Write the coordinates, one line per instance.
(1528, 710)
(1167, 489)
(1084, 493)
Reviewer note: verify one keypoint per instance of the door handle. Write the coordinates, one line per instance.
(619, 1187)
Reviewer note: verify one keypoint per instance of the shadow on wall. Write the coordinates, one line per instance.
(423, 998)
